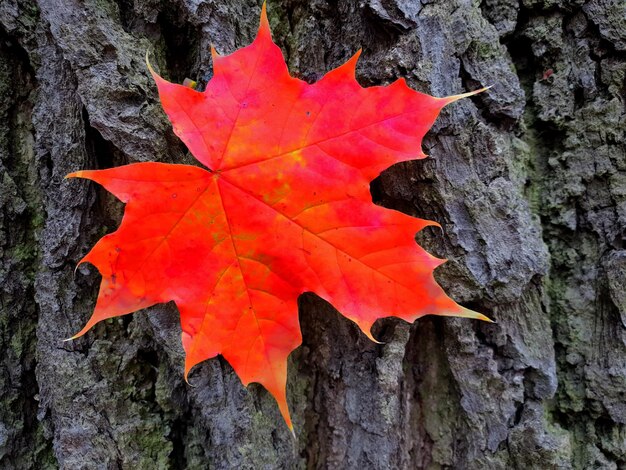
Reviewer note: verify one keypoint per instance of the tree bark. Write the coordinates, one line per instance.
(528, 181)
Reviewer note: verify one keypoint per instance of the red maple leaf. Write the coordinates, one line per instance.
(284, 208)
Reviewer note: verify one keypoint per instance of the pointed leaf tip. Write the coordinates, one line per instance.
(352, 62)
(148, 62)
(155, 76)
(467, 313)
(451, 99)
(264, 26)
(188, 368)
(366, 328)
(369, 334)
(284, 411)
(74, 174)
(85, 329)
(186, 377)
(347, 70)
(80, 333)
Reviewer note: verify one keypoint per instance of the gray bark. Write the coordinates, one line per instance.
(528, 181)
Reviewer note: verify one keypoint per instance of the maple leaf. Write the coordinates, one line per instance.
(283, 208)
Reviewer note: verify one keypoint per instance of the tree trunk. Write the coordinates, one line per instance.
(528, 181)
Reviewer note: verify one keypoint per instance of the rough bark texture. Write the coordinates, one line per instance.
(528, 181)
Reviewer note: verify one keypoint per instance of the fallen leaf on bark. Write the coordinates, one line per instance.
(282, 207)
